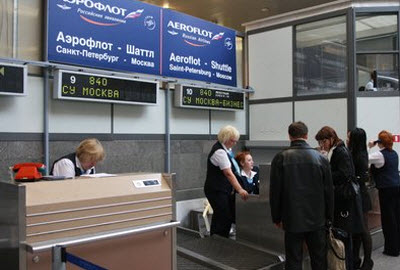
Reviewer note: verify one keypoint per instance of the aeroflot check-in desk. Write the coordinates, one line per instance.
(118, 222)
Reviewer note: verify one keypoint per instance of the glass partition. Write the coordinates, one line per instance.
(377, 72)
(376, 33)
(321, 57)
(377, 52)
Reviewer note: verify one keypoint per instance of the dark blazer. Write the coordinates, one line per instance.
(251, 188)
(347, 214)
(71, 157)
(388, 175)
(301, 190)
(215, 179)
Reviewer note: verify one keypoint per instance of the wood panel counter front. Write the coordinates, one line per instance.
(66, 208)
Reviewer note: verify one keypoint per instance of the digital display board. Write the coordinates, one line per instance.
(208, 98)
(12, 79)
(99, 88)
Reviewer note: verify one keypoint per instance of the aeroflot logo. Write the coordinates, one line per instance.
(192, 35)
(88, 12)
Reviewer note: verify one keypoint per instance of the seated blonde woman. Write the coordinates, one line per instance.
(83, 161)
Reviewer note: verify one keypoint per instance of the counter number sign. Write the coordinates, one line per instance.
(99, 88)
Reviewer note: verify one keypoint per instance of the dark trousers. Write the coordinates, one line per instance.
(389, 200)
(317, 248)
(223, 212)
(348, 247)
(365, 239)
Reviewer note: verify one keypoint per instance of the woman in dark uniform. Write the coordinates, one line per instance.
(83, 161)
(221, 180)
(385, 171)
(248, 172)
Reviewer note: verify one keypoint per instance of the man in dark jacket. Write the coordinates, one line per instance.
(301, 198)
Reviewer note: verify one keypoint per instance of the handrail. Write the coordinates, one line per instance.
(44, 246)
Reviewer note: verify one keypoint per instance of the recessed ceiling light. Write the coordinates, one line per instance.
(166, 5)
(265, 9)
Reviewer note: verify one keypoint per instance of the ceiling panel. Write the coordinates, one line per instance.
(232, 13)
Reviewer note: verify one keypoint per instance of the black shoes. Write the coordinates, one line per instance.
(393, 254)
(357, 263)
(367, 265)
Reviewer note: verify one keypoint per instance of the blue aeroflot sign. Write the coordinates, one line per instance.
(197, 49)
(130, 35)
(121, 35)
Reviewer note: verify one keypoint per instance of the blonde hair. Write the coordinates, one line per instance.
(90, 150)
(228, 132)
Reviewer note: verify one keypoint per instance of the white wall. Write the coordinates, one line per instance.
(377, 114)
(79, 117)
(23, 113)
(138, 119)
(270, 74)
(318, 113)
(270, 121)
(270, 63)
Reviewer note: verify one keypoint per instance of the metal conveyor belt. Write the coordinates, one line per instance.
(187, 264)
(221, 253)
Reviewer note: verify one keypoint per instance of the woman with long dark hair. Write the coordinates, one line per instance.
(357, 144)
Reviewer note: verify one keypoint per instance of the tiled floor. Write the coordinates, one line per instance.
(383, 262)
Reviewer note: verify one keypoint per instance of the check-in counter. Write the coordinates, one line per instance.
(254, 224)
(118, 222)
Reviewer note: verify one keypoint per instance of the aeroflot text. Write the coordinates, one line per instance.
(189, 29)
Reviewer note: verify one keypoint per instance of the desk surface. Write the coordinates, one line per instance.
(71, 191)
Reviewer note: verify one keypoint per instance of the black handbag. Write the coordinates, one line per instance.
(347, 191)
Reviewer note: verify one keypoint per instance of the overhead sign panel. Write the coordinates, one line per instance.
(138, 37)
(187, 96)
(122, 35)
(198, 50)
(12, 79)
(99, 88)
